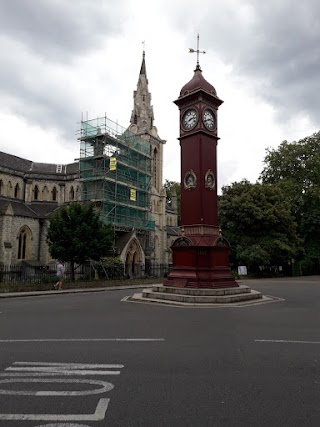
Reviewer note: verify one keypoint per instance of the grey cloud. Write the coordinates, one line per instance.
(279, 51)
(59, 29)
(272, 46)
(40, 39)
(33, 92)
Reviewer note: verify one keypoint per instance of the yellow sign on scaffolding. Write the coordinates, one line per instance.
(133, 194)
(113, 163)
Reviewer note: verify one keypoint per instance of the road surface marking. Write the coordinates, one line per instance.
(63, 371)
(98, 415)
(72, 365)
(27, 370)
(105, 387)
(86, 340)
(289, 341)
(63, 425)
(48, 374)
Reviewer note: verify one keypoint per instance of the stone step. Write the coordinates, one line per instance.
(195, 299)
(242, 289)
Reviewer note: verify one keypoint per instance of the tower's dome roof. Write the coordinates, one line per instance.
(197, 82)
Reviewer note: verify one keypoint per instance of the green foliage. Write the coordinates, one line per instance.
(298, 162)
(77, 234)
(258, 222)
(295, 167)
(173, 188)
(110, 268)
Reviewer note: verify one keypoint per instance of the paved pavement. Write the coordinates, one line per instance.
(68, 291)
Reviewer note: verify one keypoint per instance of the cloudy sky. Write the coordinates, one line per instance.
(61, 59)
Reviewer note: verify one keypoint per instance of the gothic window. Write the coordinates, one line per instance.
(36, 192)
(54, 194)
(143, 98)
(45, 193)
(24, 243)
(9, 189)
(77, 194)
(157, 249)
(135, 119)
(71, 195)
(1, 186)
(17, 191)
(155, 170)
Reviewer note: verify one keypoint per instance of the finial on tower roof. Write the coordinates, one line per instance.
(197, 52)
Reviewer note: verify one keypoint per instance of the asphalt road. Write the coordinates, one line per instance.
(90, 359)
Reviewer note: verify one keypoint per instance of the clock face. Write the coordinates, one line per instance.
(209, 119)
(189, 119)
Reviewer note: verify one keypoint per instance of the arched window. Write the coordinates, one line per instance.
(77, 193)
(9, 189)
(36, 192)
(1, 186)
(71, 195)
(157, 249)
(155, 169)
(45, 193)
(135, 119)
(16, 191)
(54, 194)
(24, 243)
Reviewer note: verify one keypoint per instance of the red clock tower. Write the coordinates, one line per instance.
(201, 254)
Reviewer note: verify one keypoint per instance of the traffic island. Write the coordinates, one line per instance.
(195, 297)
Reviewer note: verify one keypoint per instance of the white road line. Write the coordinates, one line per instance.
(63, 425)
(72, 365)
(99, 415)
(104, 387)
(289, 341)
(63, 371)
(86, 340)
(53, 374)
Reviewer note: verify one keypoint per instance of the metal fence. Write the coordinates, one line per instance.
(42, 274)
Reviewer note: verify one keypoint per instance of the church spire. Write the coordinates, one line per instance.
(143, 65)
(142, 113)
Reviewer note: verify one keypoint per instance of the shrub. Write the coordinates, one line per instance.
(109, 268)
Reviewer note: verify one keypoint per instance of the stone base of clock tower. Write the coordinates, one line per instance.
(200, 260)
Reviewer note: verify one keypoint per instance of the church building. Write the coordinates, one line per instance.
(120, 170)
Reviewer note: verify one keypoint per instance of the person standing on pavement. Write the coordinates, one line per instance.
(60, 275)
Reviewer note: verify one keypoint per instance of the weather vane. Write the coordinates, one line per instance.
(197, 51)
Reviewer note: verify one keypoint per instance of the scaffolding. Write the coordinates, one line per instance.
(115, 172)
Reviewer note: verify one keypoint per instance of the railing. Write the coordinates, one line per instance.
(46, 274)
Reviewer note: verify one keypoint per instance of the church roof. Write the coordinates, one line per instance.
(27, 166)
(13, 162)
(32, 210)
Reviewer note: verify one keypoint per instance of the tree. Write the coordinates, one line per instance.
(298, 162)
(259, 225)
(295, 167)
(77, 234)
(173, 188)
